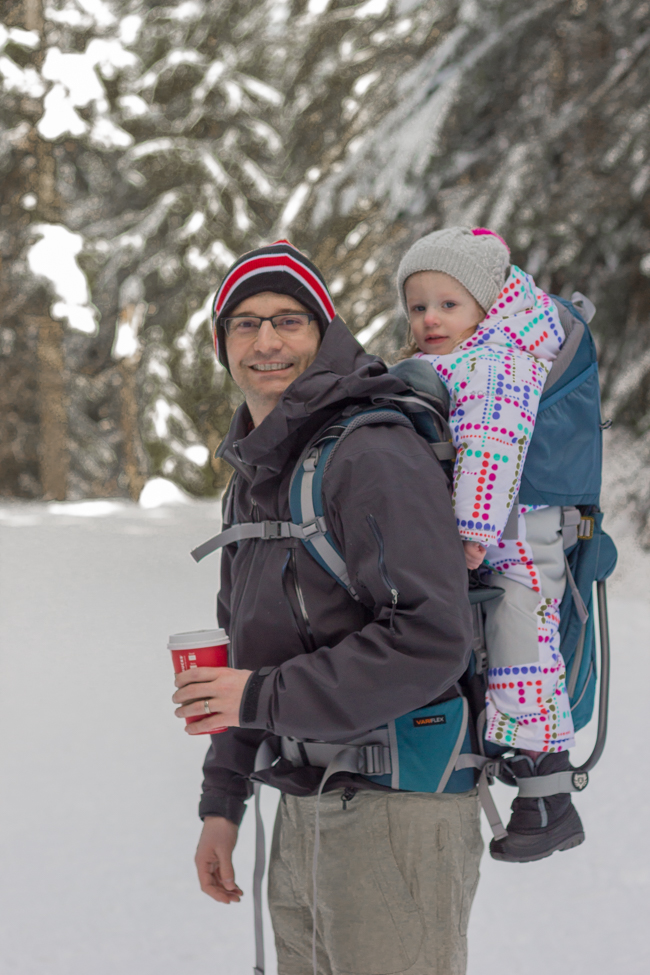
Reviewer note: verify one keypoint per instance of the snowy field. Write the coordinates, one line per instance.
(99, 785)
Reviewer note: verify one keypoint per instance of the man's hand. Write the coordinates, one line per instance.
(474, 554)
(222, 687)
(214, 860)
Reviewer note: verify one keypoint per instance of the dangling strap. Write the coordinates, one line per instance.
(346, 760)
(264, 759)
(258, 875)
(578, 602)
(489, 768)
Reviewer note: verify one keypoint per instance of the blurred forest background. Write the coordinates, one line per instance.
(144, 145)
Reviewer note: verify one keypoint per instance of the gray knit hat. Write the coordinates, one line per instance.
(478, 258)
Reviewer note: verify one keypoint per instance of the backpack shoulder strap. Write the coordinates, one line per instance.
(306, 488)
(305, 493)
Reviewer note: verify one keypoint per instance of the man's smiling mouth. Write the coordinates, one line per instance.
(271, 366)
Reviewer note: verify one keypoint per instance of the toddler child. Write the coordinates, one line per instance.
(491, 335)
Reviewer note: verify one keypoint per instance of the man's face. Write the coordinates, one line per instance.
(264, 362)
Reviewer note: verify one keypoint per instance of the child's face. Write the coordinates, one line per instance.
(442, 312)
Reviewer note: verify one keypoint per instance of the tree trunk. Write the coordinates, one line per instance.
(53, 449)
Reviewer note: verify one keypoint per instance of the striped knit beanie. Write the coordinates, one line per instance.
(279, 267)
(478, 258)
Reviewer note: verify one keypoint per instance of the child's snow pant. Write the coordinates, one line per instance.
(527, 702)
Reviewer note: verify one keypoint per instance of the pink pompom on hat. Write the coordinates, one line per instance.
(481, 231)
(477, 257)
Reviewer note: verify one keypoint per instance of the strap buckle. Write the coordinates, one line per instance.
(315, 527)
(375, 759)
(586, 528)
(273, 529)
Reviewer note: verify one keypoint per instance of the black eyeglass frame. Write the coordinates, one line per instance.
(258, 318)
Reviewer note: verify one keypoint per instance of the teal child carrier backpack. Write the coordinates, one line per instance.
(440, 747)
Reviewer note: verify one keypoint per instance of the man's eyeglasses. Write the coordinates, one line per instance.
(247, 326)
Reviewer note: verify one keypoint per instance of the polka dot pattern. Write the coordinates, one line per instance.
(495, 380)
(528, 705)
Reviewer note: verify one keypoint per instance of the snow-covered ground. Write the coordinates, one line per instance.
(99, 784)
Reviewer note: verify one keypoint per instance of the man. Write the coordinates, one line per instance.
(397, 870)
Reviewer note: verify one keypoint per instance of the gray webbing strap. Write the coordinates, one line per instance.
(258, 875)
(571, 519)
(346, 760)
(489, 768)
(263, 759)
(444, 450)
(511, 531)
(576, 662)
(491, 811)
(372, 751)
(267, 530)
(578, 602)
(538, 786)
(451, 764)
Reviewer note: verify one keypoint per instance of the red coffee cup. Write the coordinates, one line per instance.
(200, 648)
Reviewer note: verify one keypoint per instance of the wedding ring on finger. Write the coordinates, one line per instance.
(206, 706)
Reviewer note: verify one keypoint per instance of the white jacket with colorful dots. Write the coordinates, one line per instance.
(495, 380)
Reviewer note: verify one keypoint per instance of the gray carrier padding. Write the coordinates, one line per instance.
(586, 307)
(573, 331)
(423, 378)
(364, 419)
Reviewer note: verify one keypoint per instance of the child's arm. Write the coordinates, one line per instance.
(495, 406)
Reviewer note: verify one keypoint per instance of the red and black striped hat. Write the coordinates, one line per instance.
(279, 267)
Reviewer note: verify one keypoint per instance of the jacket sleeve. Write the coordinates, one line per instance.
(231, 755)
(388, 507)
(493, 416)
(229, 761)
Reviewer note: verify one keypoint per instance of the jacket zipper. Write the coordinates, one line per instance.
(306, 638)
(301, 599)
(383, 571)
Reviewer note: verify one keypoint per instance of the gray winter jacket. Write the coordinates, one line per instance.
(324, 666)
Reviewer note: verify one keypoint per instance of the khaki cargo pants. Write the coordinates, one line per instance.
(397, 873)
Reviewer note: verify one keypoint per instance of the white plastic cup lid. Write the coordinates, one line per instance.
(197, 638)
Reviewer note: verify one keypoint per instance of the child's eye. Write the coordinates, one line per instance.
(449, 304)
(418, 308)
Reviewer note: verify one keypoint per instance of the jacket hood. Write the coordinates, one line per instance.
(342, 373)
(523, 317)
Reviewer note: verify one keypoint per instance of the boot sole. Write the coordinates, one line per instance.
(568, 844)
(527, 847)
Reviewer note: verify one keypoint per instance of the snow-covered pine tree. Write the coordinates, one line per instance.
(530, 119)
(158, 123)
(352, 128)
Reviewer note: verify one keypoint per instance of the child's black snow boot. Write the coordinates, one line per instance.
(539, 827)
